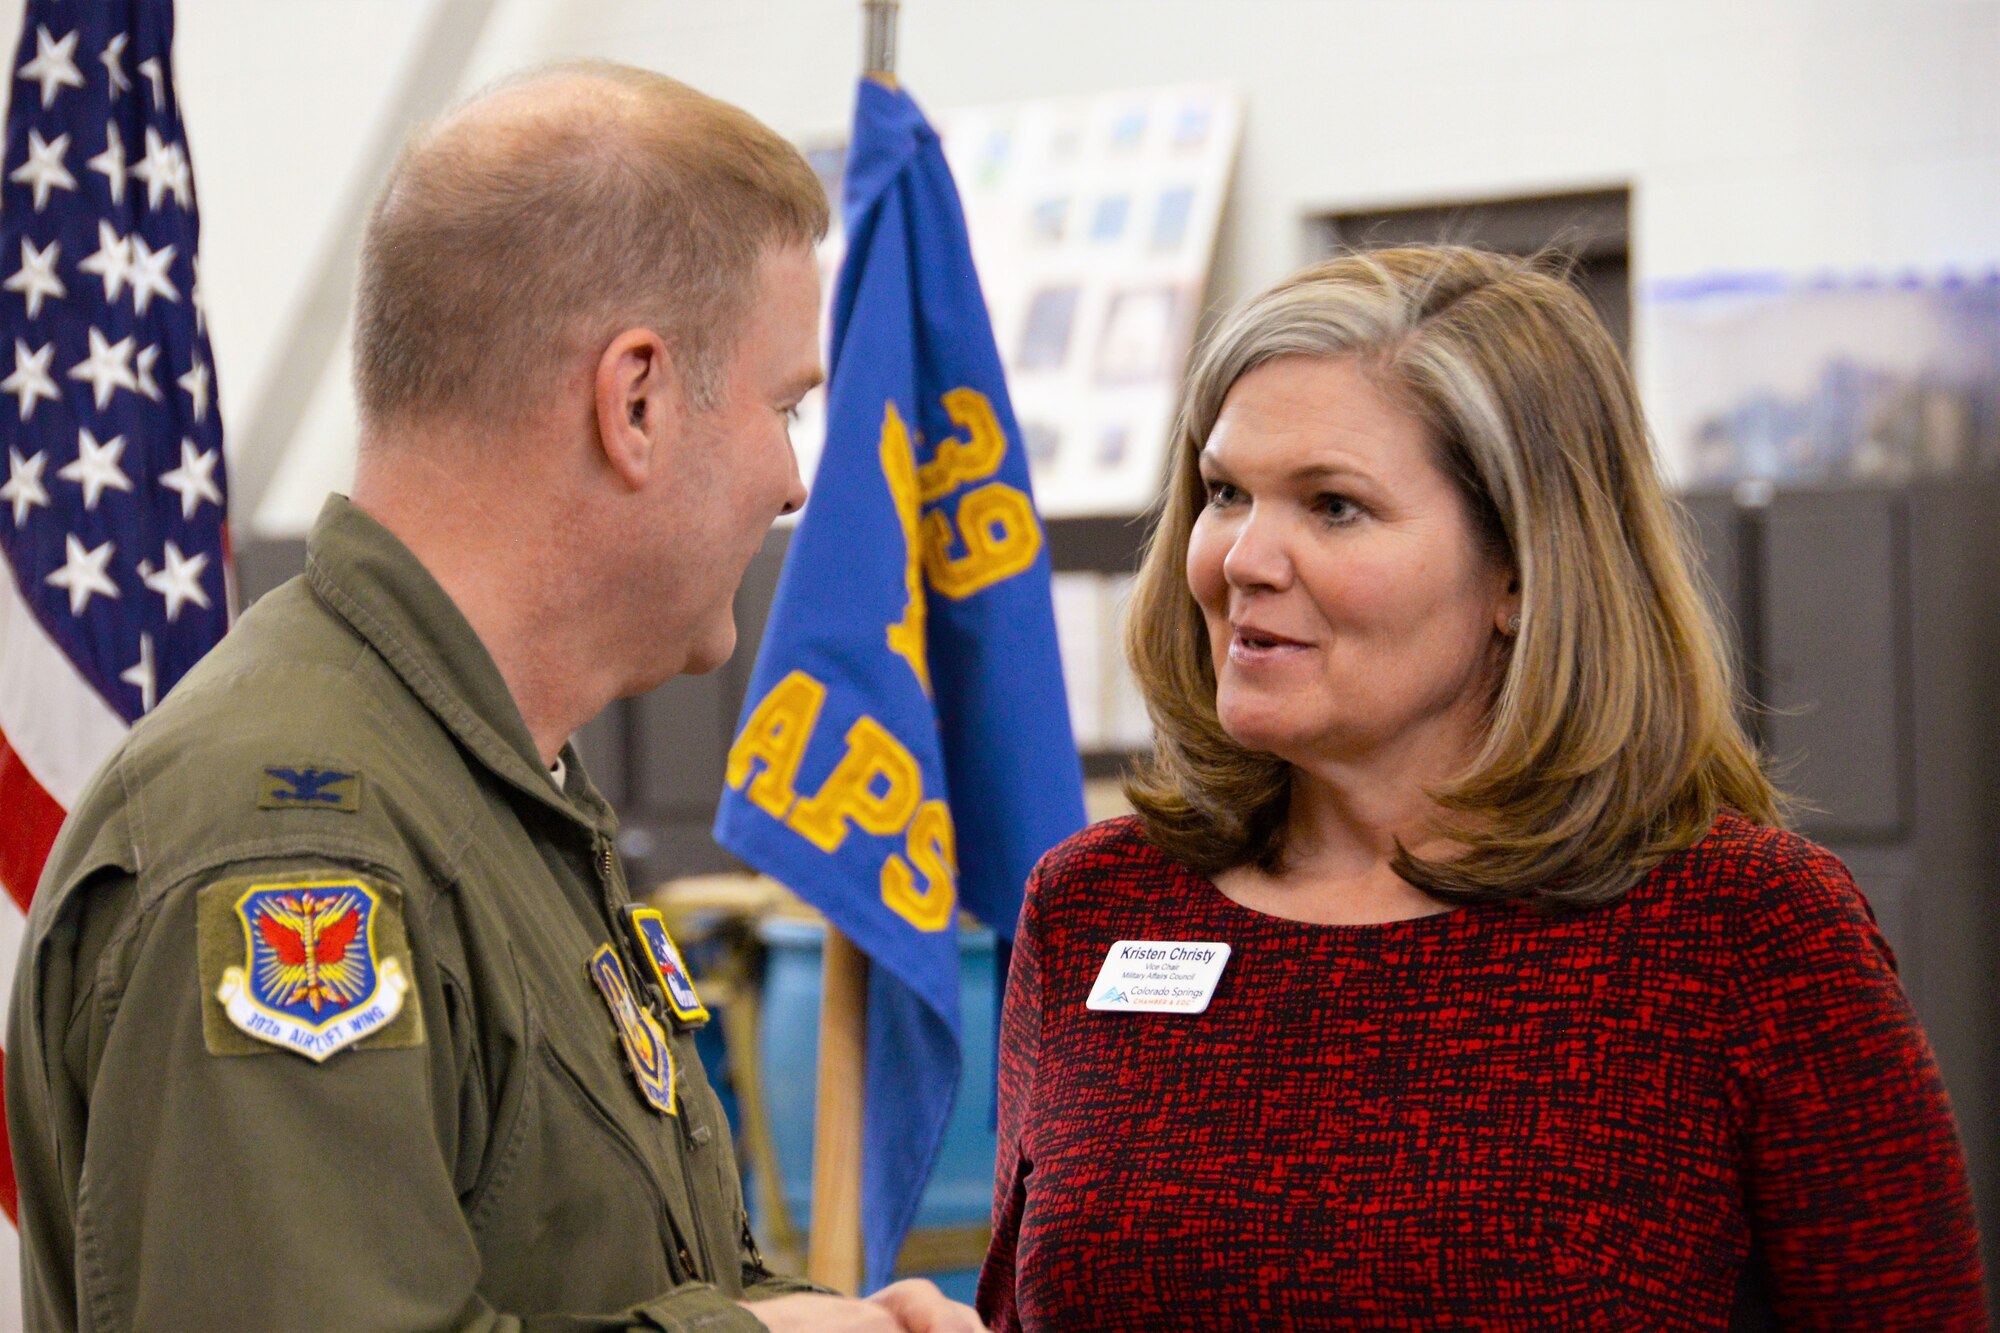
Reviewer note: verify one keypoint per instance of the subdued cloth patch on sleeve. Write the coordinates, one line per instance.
(312, 962)
(307, 787)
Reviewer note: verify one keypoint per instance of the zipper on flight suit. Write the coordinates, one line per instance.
(613, 889)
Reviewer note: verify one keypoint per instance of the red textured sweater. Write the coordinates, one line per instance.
(1707, 1101)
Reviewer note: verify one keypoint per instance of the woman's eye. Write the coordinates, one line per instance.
(1337, 508)
(792, 415)
(1220, 492)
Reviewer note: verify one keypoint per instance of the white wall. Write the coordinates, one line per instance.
(1754, 135)
(1845, 134)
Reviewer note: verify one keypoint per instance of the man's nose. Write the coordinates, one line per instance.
(795, 486)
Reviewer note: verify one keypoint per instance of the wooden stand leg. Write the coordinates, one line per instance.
(833, 1254)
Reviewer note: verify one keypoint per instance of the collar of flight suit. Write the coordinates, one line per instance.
(371, 580)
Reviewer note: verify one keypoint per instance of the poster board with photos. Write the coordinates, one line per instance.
(1093, 223)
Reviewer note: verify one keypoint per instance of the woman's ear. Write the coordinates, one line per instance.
(638, 404)
(1507, 617)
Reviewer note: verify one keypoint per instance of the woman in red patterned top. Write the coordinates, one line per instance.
(1533, 1017)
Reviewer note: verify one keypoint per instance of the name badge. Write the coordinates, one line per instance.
(1158, 976)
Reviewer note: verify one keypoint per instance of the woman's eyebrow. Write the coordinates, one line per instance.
(1304, 474)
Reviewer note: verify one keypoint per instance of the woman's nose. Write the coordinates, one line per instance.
(1257, 556)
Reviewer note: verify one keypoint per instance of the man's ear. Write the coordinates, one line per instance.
(638, 404)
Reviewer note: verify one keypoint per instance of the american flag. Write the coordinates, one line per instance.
(113, 549)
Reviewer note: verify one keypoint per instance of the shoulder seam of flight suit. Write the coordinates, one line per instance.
(148, 902)
(86, 985)
(460, 793)
(286, 855)
(367, 847)
(107, 981)
(404, 663)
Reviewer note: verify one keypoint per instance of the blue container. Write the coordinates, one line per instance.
(960, 1192)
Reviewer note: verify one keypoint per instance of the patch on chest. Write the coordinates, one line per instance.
(311, 964)
(646, 1049)
(305, 787)
(657, 947)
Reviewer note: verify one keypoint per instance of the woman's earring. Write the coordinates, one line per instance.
(1514, 623)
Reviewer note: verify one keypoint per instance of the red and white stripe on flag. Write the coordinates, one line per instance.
(113, 493)
(54, 732)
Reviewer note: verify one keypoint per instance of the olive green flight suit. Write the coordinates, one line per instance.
(486, 1160)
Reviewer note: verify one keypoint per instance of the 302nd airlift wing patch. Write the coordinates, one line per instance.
(312, 964)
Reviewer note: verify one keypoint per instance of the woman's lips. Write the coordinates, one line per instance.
(1251, 647)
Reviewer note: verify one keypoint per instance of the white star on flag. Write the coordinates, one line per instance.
(37, 277)
(156, 169)
(113, 59)
(110, 163)
(31, 379)
(141, 675)
(196, 384)
(108, 367)
(147, 273)
(44, 169)
(194, 479)
(54, 65)
(180, 581)
(183, 176)
(150, 67)
(96, 467)
(112, 262)
(144, 371)
(24, 489)
(82, 574)
(83, 523)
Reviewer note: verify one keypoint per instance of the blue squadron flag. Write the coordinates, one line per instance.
(904, 749)
(113, 554)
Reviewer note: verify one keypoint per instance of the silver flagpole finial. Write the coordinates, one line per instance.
(879, 55)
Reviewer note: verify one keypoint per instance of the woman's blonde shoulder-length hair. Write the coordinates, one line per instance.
(1612, 737)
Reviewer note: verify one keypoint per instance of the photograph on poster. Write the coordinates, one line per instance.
(1138, 334)
(1045, 334)
(1107, 223)
(1171, 216)
(1770, 378)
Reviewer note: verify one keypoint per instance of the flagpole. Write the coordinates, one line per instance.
(834, 1252)
(879, 52)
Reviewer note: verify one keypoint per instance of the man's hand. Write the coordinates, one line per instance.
(911, 1306)
(921, 1308)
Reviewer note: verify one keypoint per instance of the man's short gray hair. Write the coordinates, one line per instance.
(525, 228)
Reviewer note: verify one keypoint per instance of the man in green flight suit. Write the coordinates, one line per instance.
(332, 1013)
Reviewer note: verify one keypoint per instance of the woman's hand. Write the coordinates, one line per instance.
(910, 1306)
